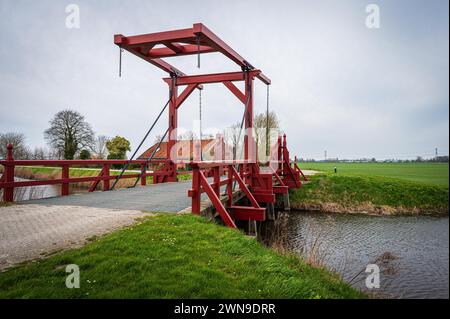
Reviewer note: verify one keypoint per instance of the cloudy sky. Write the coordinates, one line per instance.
(337, 85)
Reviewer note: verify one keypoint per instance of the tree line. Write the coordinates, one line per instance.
(69, 137)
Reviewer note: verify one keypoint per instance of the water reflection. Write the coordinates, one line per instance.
(413, 249)
(40, 191)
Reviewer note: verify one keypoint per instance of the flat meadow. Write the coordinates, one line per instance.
(426, 173)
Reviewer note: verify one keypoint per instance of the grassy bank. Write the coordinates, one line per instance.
(370, 194)
(426, 173)
(174, 256)
(42, 173)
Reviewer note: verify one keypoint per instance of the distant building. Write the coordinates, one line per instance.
(208, 147)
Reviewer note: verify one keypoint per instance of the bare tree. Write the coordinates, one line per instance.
(39, 153)
(99, 146)
(21, 151)
(231, 136)
(260, 123)
(158, 138)
(55, 153)
(69, 133)
(188, 135)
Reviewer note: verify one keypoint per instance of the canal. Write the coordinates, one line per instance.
(412, 251)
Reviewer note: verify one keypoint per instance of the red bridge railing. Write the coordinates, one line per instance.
(8, 184)
(244, 178)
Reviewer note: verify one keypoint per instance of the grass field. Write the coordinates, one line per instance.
(379, 188)
(42, 172)
(427, 173)
(174, 256)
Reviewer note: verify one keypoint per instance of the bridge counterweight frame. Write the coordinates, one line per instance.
(196, 40)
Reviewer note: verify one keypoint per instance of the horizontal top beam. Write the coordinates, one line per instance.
(212, 78)
(196, 40)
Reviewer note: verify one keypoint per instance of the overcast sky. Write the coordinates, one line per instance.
(337, 85)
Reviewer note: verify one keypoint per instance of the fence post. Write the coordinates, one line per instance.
(280, 149)
(8, 192)
(196, 190)
(230, 185)
(143, 171)
(216, 175)
(65, 183)
(106, 174)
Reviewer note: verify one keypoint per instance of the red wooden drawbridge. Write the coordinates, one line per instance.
(259, 186)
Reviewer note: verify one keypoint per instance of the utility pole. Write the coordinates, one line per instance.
(325, 155)
(436, 152)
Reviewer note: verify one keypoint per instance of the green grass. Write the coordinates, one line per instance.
(426, 173)
(174, 256)
(49, 172)
(74, 172)
(351, 191)
(400, 187)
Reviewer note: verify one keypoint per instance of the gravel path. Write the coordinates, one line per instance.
(309, 172)
(32, 231)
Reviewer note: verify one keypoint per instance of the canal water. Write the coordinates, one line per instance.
(412, 251)
(41, 191)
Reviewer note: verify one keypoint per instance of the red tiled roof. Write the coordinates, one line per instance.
(161, 153)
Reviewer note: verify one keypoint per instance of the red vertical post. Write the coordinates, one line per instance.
(143, 171)
(286, 152)
(280, 150)
(106, 174)
(248, 120)
(219, 153)
(216, 174)
(230, 185)
(173, 125)
(8, 192)
(244, 165)
(65, 183)
(222, 143)
(196, 195)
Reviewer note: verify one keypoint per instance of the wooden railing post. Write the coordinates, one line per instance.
(106, 174)
(196, 195)
(143, 171)
(216, 175)
(280, 154)
(65, 183)
(230, 185)
(8, 192)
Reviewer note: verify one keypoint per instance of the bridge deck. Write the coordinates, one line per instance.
(166, 197)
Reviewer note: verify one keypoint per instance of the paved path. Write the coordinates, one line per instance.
(166, 197)
(32, 231)
(35, 228)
